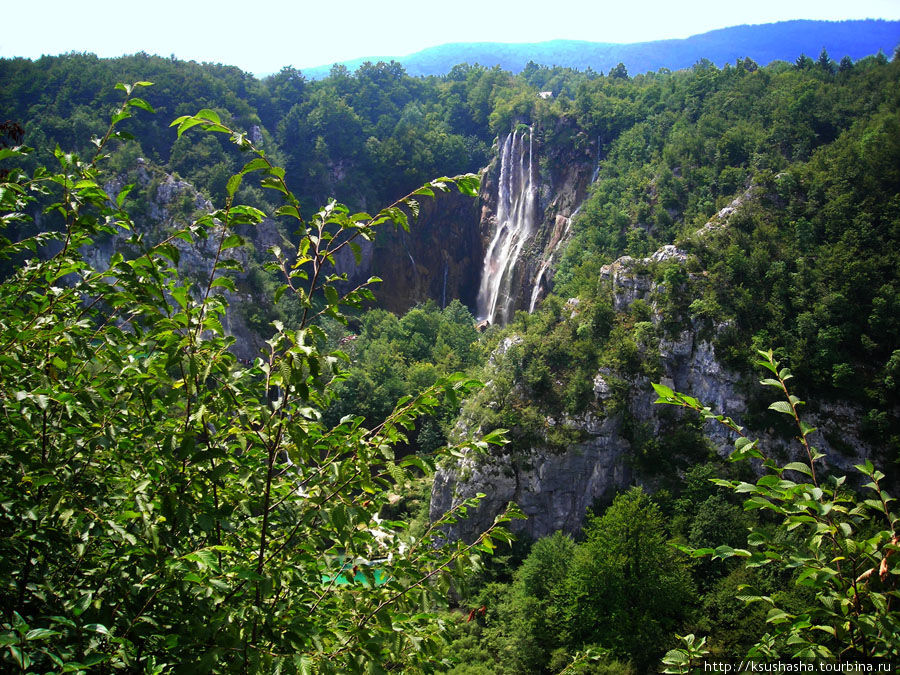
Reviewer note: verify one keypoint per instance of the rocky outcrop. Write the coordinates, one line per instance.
(554, 490)
(630, 277)
(167, 204)
(554, 487)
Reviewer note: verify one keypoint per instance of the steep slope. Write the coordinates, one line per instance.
(167, 204)
(529, 194)
(567, 463)
(436, 260)
(733, 210)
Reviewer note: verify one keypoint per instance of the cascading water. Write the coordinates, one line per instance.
(536, 289)
(515, 223)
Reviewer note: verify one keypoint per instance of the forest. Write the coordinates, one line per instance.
(170, 505)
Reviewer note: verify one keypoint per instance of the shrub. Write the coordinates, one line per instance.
(165, 507)
(837, 544)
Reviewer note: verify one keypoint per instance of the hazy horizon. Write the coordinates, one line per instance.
(309, 37)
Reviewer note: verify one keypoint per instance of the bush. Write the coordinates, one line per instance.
(836, 544)
(165, 507)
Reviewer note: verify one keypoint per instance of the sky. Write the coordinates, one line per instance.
(261, 38)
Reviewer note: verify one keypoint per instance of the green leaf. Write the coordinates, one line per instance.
(744, 448)
(140, 103)
(41, 633)
(414, 460)
(233, 184)
(288, 210)
(798, 466)
(224, 282)
(187, 123)
(180, 293)
(331, 296)
(21, 659)
(255, 164)
(97, 628)
(663, 391)
(123, 193)
(210, 115)
(231, 241)
(273, 184)
(496, 437)
(229, 264)
(241, 213)
(468, 184)
(782, 407)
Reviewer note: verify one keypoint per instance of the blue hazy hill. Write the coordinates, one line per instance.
(764, 43)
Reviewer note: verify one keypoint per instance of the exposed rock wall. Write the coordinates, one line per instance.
(168, 204)
(438, 259)
(554, 488)
(442, 256)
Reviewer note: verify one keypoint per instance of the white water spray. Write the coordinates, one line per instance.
(515, 223)
(536, 289)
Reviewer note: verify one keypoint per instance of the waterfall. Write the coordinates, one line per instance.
(537, 285)
(597, 163)
(536, 289)
(515, 222)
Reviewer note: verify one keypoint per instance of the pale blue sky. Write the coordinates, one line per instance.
(261, 37)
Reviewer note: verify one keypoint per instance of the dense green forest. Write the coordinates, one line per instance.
(166, 507)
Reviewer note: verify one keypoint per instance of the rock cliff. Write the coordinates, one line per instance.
(438, 259)
(553, 486)
(162, 203)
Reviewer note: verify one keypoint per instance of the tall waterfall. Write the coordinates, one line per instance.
(515, 223)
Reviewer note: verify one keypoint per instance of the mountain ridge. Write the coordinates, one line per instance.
(784, 40)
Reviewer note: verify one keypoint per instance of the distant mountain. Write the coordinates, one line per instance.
(763, 43)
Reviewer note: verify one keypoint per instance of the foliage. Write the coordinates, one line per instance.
(397, 357)
(840, 548)
(626, 589)
(165, 508)
(138, 497)
(373, 135)
(614, 598)
(685, 658)
(815, 230)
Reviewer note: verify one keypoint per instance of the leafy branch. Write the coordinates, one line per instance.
(829, 544)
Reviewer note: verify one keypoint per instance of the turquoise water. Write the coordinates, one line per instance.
(346, 576)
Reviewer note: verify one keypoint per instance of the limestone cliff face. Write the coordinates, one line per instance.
(438, 259)
(168, 204)
(554, 490)
(442, 257)
(554, 487)
(567, 172)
